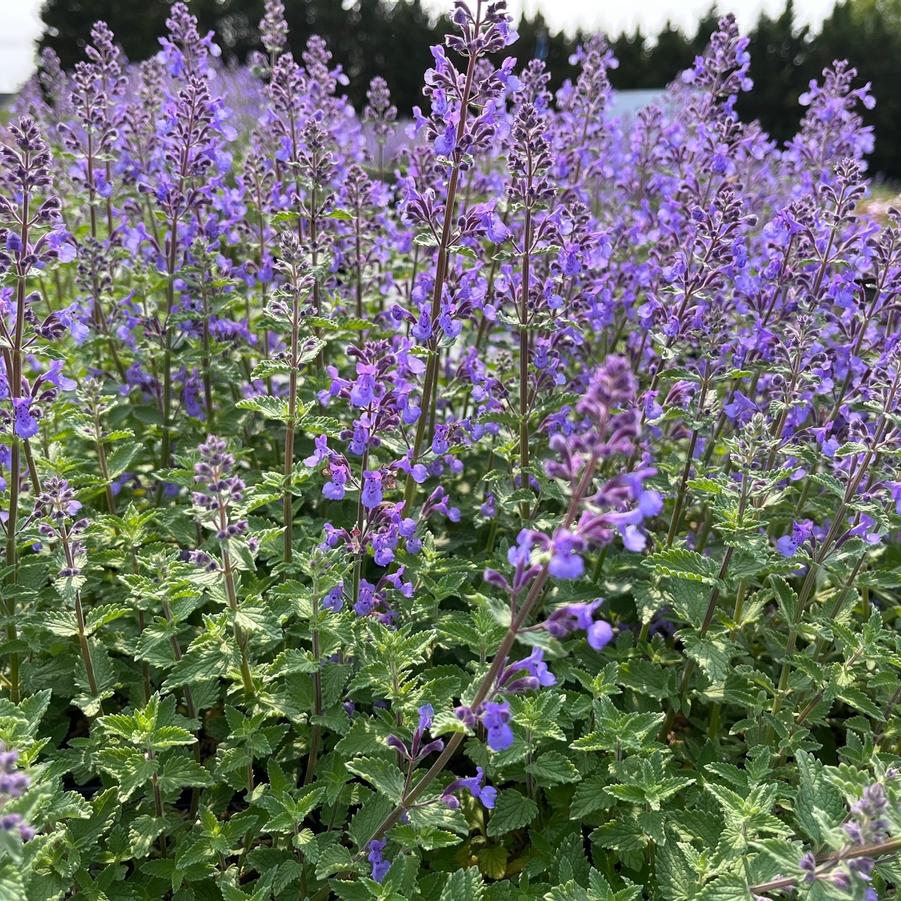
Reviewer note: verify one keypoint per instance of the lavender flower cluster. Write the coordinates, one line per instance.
(541, 397)
(13, 784)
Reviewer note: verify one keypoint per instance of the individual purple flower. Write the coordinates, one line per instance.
(895, 491)
(475, 785)
(371, 495)
(488, 508)
(495, 717)
(417, 750)
(439, 502)
(380, 866)
(24, 420)
(866, 528)
(426, 715)
(363, 389)
(599, 634)
(571, 617)
(512, 680)
(580, 617)
(801, 532)
(566, 562)
(741, 408)
(334, 598)
(334, 488)
(320, 451)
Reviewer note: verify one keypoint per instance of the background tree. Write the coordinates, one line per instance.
(392, 38)
(868, 33)
(780, 68)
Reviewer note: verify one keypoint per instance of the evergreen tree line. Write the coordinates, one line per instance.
(392, 39)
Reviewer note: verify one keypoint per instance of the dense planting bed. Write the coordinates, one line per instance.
(503, 507)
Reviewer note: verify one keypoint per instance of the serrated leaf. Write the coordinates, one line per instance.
(553, 768)
(463, 885)
(493, 861)
(680, 563)
(513, 810)
(384, 776)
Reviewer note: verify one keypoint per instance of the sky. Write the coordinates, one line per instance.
(20, 22)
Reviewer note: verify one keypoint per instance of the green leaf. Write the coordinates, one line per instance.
(463, 885)
(259, 619)
(725, 888)
(286, 812)
(553, 768)
(710, 652)
(493, 861)
(143, 832)
(272, 407)
(568, 891)
(179, 771)
(103, 615)
(384, 776)
(589, 797)
(368, 818)
(680, 563)
(617, 730)
(512, 811)
(673, 872)
(129, 767)
(333, 859)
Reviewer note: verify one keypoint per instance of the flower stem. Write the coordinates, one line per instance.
(431, 373)
(712, 602)
(240, 637)
(15, 390)
(830, 860)
(524, 359)
(486, 686)
(288, 470)
(676, 519)
(83, 644)
(316, 733)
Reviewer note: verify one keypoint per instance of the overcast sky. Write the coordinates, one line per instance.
(20, 23)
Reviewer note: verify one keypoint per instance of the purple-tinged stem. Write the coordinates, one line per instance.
(890, 846)
(500, 659)
(431, 374)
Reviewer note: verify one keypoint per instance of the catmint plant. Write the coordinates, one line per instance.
(32, 237)
(217, 497)
(380, 114)
(502, 505)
